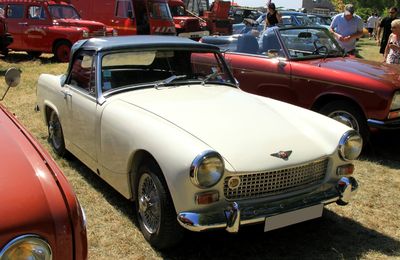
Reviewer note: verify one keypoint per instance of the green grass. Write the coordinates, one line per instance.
(369, 50)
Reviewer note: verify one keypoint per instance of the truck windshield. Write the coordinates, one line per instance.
(160, 11)
(63, 12)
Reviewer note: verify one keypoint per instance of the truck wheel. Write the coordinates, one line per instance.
(34, 54)
(155, 210)
(56, 136)
(61, 51)
(348, 114)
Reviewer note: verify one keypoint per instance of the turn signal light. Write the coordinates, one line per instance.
(207, 197)
(345, 169)
(394, 114)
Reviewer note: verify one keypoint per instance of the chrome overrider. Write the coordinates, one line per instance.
(235, 215)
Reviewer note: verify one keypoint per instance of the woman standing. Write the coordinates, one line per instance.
(392, 50)
(273, 16)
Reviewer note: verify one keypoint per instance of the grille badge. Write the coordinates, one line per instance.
(282, 154)
(234, 183)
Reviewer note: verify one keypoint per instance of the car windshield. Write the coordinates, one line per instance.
(160, 68)
(63, 12)
(309, 42)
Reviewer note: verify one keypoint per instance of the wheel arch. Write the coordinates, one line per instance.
(321, 101)
(139, 158)
(59, 40)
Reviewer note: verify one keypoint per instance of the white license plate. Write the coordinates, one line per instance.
(293, 217)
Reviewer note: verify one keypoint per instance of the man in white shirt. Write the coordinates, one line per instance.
(372, 22)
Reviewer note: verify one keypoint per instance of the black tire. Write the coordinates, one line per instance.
(348, 114)
(34, 54)
(56, 136)
(157, 221)
(62, 51)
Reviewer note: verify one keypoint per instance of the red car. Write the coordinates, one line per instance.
(40, 215)
(305, 66)
(48, 27)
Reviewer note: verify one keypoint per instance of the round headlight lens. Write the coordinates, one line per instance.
(350, 145)
(207, 169)
(27, 247)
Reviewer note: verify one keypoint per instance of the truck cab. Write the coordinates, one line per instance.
(187, 24)
(129, 17)
(48, 27)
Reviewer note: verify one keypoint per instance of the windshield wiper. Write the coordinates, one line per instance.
(169, 80)
(210, 76)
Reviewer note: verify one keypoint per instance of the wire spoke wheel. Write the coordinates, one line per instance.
(56, 136)
(149, 203)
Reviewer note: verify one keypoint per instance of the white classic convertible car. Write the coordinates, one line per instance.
(176, 135)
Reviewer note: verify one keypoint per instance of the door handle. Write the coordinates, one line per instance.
(25, 23)
(66, 93)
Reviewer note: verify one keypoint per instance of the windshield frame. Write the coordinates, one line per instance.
(220, 61)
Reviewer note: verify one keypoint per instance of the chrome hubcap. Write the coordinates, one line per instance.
(345, 118)
(149, 203)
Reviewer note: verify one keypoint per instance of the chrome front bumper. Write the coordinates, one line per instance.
(236, 214)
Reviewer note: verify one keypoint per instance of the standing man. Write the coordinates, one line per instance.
(371, 25)
(347, 27)
(386, 25)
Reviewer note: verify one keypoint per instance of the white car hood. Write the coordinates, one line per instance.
(245, 129)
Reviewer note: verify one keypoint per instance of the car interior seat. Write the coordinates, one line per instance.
(270, 42)
(247, 43)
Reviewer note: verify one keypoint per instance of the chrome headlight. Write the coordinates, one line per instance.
(350, 145)
(395, 101)
(27, 247)
(207, 169)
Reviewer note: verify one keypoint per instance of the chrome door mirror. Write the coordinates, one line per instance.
(12, 78)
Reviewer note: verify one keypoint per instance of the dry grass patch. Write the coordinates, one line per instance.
(368, 228)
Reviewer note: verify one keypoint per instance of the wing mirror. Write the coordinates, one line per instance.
(12, 78)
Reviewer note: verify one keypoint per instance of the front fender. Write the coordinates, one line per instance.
(127, 129)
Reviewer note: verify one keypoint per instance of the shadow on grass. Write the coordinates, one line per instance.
(384, 148)
(23, 57)
(330, 237)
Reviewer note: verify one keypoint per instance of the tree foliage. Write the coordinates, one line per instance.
(365, 8)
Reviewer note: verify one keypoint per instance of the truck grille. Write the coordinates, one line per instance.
(99, 33)
(262, 184)
(192, 25)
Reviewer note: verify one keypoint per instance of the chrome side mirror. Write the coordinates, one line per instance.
(12, 78)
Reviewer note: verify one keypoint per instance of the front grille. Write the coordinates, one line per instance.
(97, 33)
(262, 184)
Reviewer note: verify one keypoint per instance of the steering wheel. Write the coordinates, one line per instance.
(318, 49)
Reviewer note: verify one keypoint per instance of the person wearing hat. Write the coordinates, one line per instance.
(347, 27)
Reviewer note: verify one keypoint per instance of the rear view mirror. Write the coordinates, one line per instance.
(12, 78)
(304, 35)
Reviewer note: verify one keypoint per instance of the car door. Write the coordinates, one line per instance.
(80, 108)
(36, 34)
(267, 73)
(17, 24)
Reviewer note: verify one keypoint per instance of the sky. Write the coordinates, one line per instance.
(287, 4)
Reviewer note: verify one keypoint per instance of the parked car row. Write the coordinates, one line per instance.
(197, 139)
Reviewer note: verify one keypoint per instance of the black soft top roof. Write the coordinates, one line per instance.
(140, 42)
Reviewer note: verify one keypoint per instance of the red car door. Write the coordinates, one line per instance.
(17, 24)
(257, 74)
